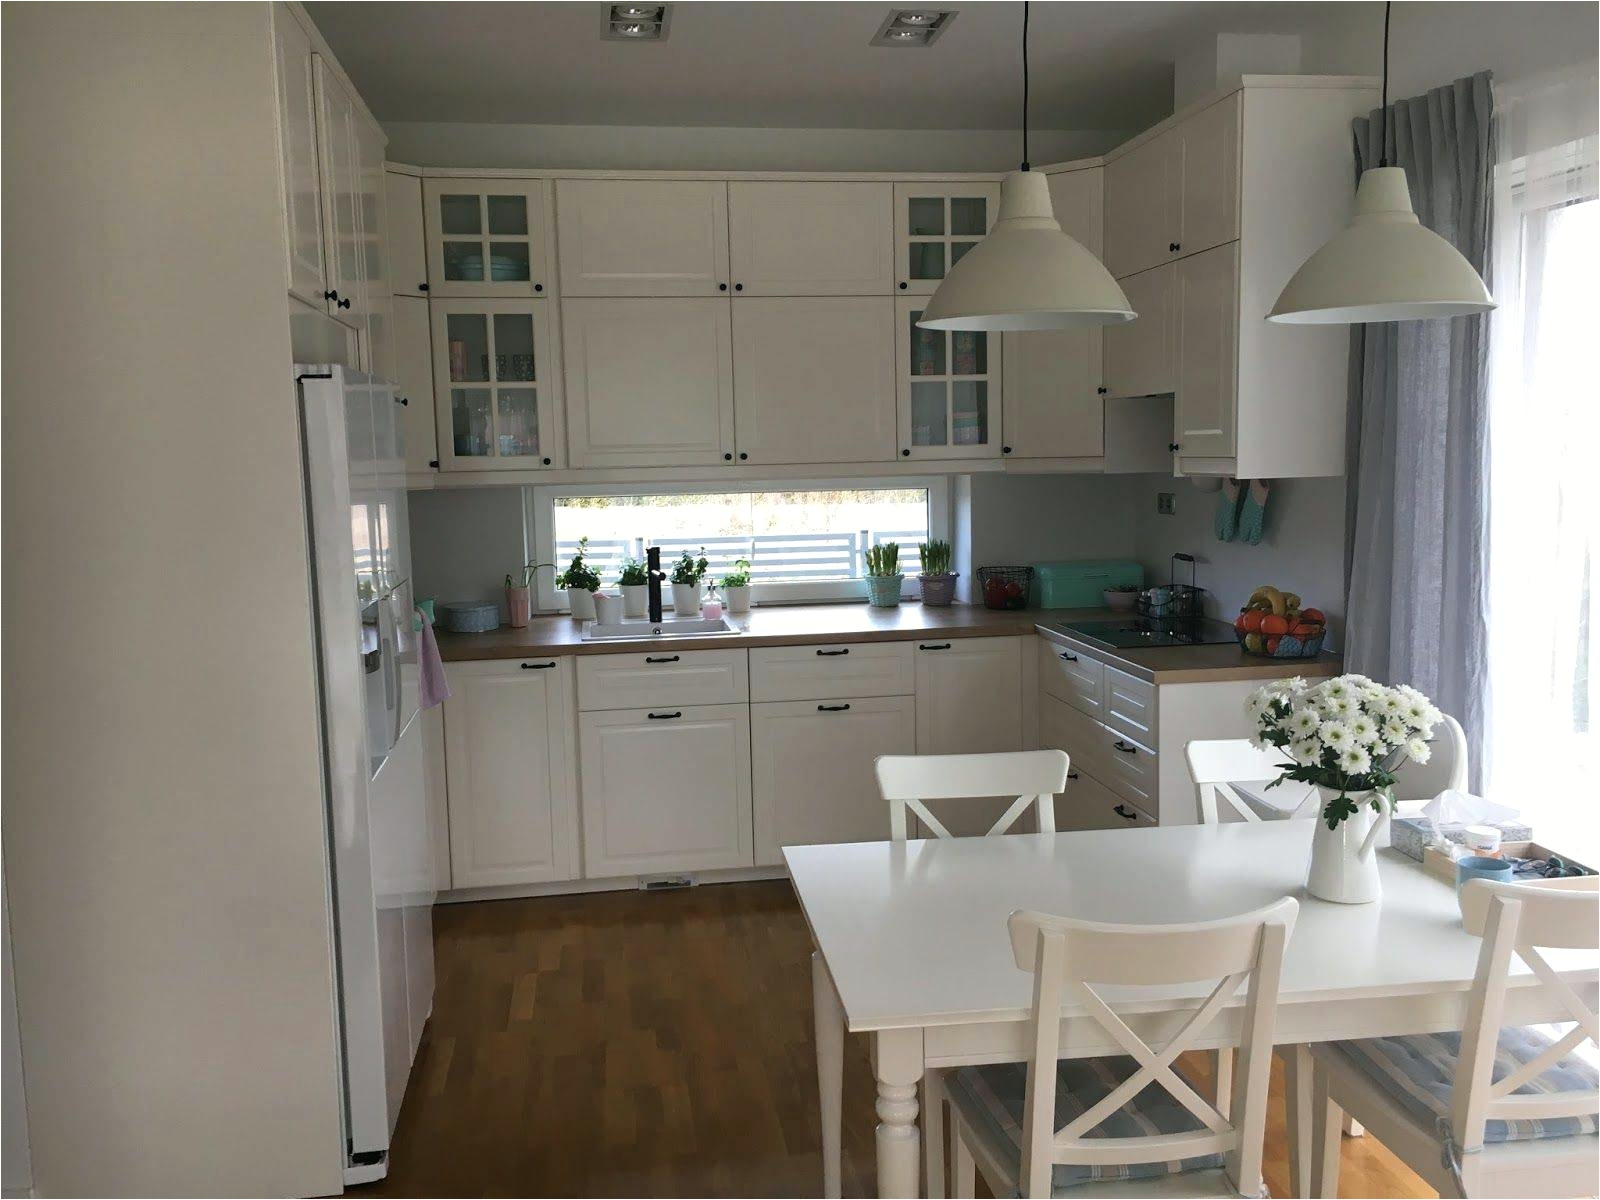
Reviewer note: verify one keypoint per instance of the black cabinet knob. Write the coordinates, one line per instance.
(546, 461)
(904, 285)
(344, 304)
(1005, 449)
(1174, 246)
(422, 287)
(738, 287)
(1100, 391)
(538, 287)
(722, 287)
(433, 462)
(905, 454)
(330, 295)
(402, 400)
(743, 456)
(1072, 774)
(1172, 446)
(727, 458)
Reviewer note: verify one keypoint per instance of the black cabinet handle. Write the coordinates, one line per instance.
(722, 287)
(738, 287)
(402, 400)
(1172, 446)
(934, 646)
(422, 287)
(665, 659)
(330, 295)
(1119, 744)
(344, 304)
(538, 666)
(433, 462)
(1100, 391)
(1125, 813)
(1065, 657)
(833, 653)
(833, 708)
(1072, 774)
(1174, 246)
(673, 716)
(727, 458)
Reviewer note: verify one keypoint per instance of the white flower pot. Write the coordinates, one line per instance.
(738, 598)
(686, 599)
(607, 608)
(636, 600)
(581, 602)
(1344, 859)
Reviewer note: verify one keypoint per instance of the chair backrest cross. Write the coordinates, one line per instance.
(1034, 777)
(1217, 765)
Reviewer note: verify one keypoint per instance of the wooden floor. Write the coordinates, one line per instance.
(654, 1044)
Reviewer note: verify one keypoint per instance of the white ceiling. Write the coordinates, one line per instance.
(1095, 65)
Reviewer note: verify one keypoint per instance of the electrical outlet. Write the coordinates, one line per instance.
(1164, 504)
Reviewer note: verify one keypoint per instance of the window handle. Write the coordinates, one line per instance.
(833, 653)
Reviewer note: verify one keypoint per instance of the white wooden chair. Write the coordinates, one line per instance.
(1491, 1111)
(1006, 1115)
(1446, 766)
(908, 781)
(1216, 766)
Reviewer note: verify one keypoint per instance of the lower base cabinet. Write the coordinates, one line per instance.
(509, 766)
(812, 770)
(1089, 804)
(665, 789)
(969, 701)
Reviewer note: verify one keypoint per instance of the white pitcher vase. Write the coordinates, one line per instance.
(1344, 859)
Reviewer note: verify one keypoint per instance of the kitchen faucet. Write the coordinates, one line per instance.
(653, 577)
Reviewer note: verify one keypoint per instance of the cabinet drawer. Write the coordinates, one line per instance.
(1073, 676)
(1130, 706)
(613, 681)
(824, 672)
(1129, 769)
(1086, 741)
(1089, 804)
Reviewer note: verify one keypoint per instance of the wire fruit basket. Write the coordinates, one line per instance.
(1005, 588)
(1172, 600)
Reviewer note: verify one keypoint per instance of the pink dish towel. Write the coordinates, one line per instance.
(432, 687)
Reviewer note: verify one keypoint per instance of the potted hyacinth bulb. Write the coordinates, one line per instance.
(688, 576)
(883, 575)
(635, 586)
(581, 582)
(1345, 737)
(937, 580)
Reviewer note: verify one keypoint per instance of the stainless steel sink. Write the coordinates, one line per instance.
(646, 631)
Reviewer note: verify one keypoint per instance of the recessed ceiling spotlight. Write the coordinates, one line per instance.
(634, 22)
(913, 26)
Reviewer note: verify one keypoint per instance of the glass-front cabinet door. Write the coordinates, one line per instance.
(935, 224)
(496, 385)
(949, 385)
(486, 237)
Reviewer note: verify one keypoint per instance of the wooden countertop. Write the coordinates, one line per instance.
(812, 624)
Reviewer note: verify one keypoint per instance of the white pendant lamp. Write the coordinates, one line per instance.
(1026, 274)
(1385, 265)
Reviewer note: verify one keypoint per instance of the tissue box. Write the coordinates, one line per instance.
(1411, 834)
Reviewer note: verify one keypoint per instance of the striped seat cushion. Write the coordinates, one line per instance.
(1420, 1072)
(991, 1098)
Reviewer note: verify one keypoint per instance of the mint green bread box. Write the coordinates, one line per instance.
(1078, 584)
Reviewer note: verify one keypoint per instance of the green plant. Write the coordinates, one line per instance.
(884, 560)
(525, 578)
(633, 573)
(935, 557)
(739, 576)
(690, 570)
(580, 574)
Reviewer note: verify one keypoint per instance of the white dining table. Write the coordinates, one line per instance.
(911, 949)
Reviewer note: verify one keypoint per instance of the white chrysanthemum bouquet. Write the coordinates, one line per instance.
(1346, 735)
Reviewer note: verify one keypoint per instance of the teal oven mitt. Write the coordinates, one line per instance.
(1253, 512)
(1226, 522)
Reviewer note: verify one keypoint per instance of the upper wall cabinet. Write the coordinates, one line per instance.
(486, 237)
(297, 146)
(811, 239)
(949, 385)
(406, 243)
(642, 237)
(372, 227)
(649, 382)
(1177, 193)
(814, 379)
(497, 386)
(934, 225)
(1141, 356)
(1208, 347)
(340, 168)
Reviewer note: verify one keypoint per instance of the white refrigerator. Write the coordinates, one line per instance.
(381, 883)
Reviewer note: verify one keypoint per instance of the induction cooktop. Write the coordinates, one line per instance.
(1132, 632)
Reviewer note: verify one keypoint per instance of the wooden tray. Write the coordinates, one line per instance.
(1442, 866)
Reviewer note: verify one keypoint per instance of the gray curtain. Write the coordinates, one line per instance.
(1416, 523)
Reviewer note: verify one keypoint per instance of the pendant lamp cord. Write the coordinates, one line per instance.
(1025, 85)
(1383, 113)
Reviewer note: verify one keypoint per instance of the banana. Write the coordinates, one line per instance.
(1272, 597)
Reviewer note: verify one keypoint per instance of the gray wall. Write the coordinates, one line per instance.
(465, 541)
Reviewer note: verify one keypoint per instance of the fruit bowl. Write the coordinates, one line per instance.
(1283, 646)
(1005, 588)
(1273, 625)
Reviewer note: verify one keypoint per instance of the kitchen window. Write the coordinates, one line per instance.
(806, 541)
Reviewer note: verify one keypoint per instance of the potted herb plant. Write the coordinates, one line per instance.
(736, 586)
(687, 574)
(1344, 736)
(635, 585)
(883, 575)
(937, 580)
(519, 595)
(581, 581)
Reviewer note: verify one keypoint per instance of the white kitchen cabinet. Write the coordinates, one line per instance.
(969, 695)
(949, 389)
(649, 382)
(1141, 356)
(1208, 348)
(497, 385)
(845, 670)
(371, 227)
(405, 242)
(935, 223)
(486, 237)
(662, 678)
(1089, 804)
(1208, 200)
(413, 377)
(666, 789)
(814, 379)
(812, 767)
(297, 149)
(509, 764)
(811, 238)
(340, 170)
(642, 237)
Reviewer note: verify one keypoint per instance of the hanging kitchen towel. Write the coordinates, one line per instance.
(432, 687)
(1226, 522)
(1253, 512)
